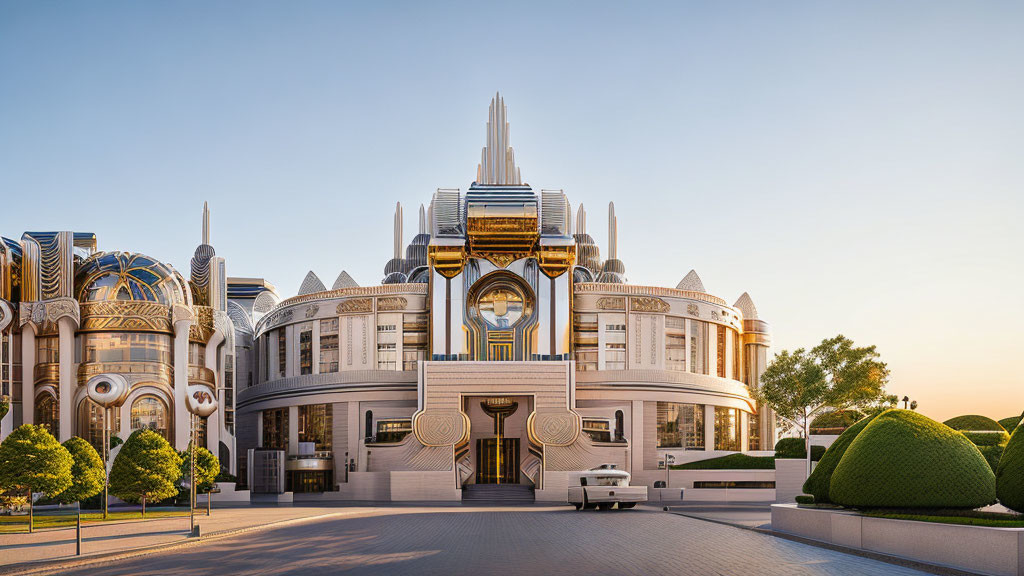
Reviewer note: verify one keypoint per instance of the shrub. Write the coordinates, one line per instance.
(804, 499)
(903, 459)
(207, 469)
(1010, 473)
(32, 459)
(730, 462)
(794, 448)
(836, 419)
(86, 471)
(1011, 423)
(145, 468)
(987, 438)
(818, 482)
(223, 476)
(973, 422)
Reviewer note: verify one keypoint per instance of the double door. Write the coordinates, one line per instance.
(494, 465)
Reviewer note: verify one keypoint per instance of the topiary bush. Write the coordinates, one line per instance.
(730, 462)
(902, 459)
(145, 469)
(804, 499)
(990, 444)
(1010, 473)
(973, 422)
(837, 419)
(818, 482)
(794, 448)
(87, 473)
(1011, 423)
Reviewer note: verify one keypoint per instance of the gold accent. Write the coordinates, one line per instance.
(202, 328)
(392, 303)
(356, 306)
(448, 261)
(501, 234)
(153, 371)
(201, 375)
(47, 372)
(135, 316)
(637, 290)
(441, 427)
(611, 303)
(648, 304)
(556, 260)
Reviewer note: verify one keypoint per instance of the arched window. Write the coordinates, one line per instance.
(90, 423)
(150, 412)
(369, 426)
(47, 412)
(620, 431)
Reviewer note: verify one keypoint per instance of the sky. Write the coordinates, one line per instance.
(855, 167)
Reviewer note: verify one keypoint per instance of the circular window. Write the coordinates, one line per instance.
(501, 306)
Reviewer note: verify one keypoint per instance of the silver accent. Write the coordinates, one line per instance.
(497, 159)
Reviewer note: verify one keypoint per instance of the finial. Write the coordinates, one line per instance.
(206, 223)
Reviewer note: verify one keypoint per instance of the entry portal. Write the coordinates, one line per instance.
(494, 466)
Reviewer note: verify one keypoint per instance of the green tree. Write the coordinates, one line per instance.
(834, 375)
(207, 468)
(86, 471)
(145, 469)
(31, 460)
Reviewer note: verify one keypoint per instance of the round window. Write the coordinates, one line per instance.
(501, 306)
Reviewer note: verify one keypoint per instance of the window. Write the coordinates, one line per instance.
(680, 425)
(414, 340)
(137, 347)
(387, 347)
(736, 357)
(620, 426)
(615, 356)
(282, 352)
(727, 428)
(585, 337)
(47, 412)
(328, 345)
(196, 354)
(721, 351)
(753, 432)
(306, 352)
(201, 427)
(315, 425)
(598, 429)
(47, 350)
(90, 423)
(409, 358)
(393, 429)
(150, 412)
(275, 429)
(675, 352)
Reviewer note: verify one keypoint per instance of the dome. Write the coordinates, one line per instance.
(127, 276)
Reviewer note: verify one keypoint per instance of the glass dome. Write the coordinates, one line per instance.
(125, 276)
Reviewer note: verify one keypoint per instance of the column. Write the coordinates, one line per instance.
(636, 435)
(293, 430)
(66, 379)
(28, 373)
(181, 414)
(744, 430)
(213, 421)
(709, 427)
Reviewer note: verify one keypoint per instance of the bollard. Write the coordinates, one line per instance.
(195, 531)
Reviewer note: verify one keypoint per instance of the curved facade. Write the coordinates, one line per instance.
(499, 348)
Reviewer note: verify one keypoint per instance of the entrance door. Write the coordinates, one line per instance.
(494, 466)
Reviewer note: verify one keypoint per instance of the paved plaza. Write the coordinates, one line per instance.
(485, 540)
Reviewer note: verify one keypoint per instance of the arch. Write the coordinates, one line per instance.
(150, 411)
(47, 411)
(620, 431)
(90, 422)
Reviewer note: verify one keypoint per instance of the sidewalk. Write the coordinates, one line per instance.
(16, 550)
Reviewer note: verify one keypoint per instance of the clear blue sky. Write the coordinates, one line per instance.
(856, 166)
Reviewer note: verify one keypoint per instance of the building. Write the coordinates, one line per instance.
(499, 348)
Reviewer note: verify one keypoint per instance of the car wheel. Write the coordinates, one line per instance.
(606, 505)
(587, 505)
(578, 505)
(626, 505)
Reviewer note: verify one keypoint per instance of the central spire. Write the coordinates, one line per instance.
(497, 160)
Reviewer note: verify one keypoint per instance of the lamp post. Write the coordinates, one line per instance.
(201, 401)
(108, 391)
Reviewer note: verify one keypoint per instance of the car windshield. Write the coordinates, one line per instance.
(610, 481)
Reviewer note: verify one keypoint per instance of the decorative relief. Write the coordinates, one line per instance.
(312, 310)
(692, 310)
(714, 315)
(611, 303)
(364, 343)
(6, 314)
(202, 328)
(553, 428)
(278, 317)
(46, 314)
(392, 303)
(348, 340)
(356, 305)
(648, 304)
(124, 315)
(440, 427)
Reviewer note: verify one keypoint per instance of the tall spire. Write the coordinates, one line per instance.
(497, 160)
(206, 223)
(613, 233)
(423, 220)
(398, 230)
(581, 220)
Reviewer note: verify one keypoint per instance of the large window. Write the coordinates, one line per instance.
(328, 345)
(585, 327)
(315, 423)
(599, 429)
(727, 428)
(720, 355)
(127, 347)
(150, 412)
(306, 351)
(47, 350)
(615, 342)
(275, 429)
(282, 352)
(90, 423)
(393, 429)
(48, 412)
(680, 425)
(387, 347)
(753, 432)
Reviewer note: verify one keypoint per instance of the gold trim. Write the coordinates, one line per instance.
(201, 329)
(153, 371)
(126, 316)
(46, 372)
(448, 261)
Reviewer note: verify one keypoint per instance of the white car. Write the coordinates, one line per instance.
(604, 487)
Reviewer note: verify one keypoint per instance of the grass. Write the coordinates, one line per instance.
(14, 524)
(964, 517)
(730, 462)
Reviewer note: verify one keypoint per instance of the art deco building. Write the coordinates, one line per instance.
(501, 347)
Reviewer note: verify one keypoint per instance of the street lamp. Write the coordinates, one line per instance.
(201, 402)
(108, 391)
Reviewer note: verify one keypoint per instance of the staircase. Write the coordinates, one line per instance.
(498, 493)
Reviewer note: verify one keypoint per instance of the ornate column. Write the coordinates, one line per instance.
(28, 368)
(66, 345)
(213, 421)
(182, 318)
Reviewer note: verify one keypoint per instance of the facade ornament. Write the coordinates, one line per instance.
(392, 303)
(312, 310)
(356, 306)
(611, 303)
(648, 304)
(714, 315)
(693, 310)
(126, 315)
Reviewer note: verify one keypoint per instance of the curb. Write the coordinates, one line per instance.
(62, 564)
(888, 559)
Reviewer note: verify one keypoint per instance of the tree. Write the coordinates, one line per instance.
(87, 473)
(31, 460)
(145, 469)
(207, 468)
(834, 375)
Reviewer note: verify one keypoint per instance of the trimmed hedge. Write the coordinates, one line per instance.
(836, 419)
(903, 459)
(795, 448)
(973, 422)
(818, 482)
(804, 499)
(1010, 473)
(1010, 424)
(730, 462)
(988, 438)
